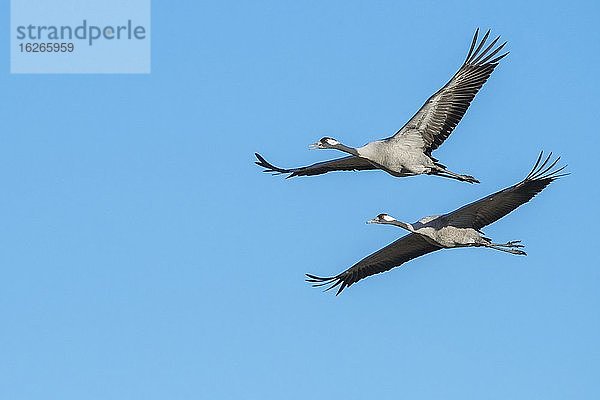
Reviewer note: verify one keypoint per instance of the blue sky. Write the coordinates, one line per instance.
(145, 256)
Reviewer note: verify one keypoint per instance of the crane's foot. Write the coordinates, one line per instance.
(441, 171)
(469, 178)
(517, 252)
(514, 243)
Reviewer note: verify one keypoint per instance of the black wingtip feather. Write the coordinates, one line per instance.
(478, 57)
(481, 43)
(546, 169)
(332, 281)
(268, 167)
(484, 52)
(493, 53)
(495, 60)
(473, 42)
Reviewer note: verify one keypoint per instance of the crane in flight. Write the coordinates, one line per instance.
(459, 228)
(408, 151)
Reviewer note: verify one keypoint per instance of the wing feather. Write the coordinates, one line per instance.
(495, 206)
(402, 250)
(350, 163)
(440, 114)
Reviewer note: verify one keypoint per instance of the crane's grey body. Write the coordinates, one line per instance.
(459, 228)
(399, 156)
(448, 236)
(437, 231)
(408, 151)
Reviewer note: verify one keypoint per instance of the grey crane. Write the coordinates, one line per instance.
(459, 228)
(408, 151)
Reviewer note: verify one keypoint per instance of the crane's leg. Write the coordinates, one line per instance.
(512, 243)
(509, 247)
(441, 171)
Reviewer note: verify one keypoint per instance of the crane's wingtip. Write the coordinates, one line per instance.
(332, 281)
(544, 168)
(262, 162)
(479, 56)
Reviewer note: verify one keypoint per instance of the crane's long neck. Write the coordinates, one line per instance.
(346, 149)
(403, 225)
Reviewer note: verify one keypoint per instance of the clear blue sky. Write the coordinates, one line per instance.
(145, 256)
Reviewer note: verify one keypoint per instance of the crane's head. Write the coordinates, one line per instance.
(382, 219)
(324, 143)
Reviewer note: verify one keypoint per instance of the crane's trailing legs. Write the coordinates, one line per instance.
(446, 173)
(509, 247)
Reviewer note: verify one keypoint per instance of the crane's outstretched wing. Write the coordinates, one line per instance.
(495, 206)
(440, 114)
(350, 163)
(402, 250)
